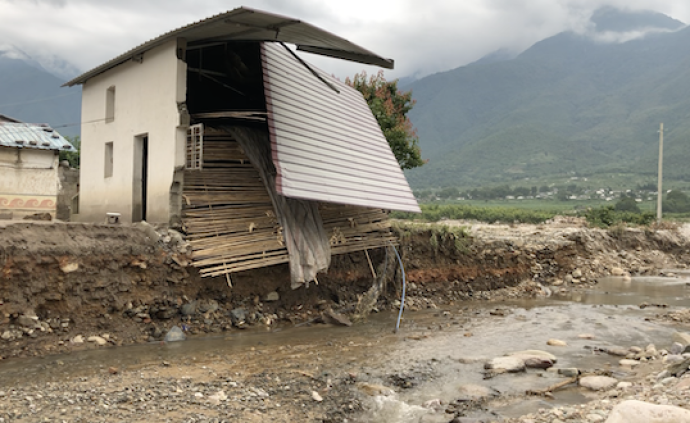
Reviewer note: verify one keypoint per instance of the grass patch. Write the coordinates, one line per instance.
(434, 213)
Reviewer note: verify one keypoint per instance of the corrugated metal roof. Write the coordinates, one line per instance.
(31, 135)
(326, 145)
(245, 24)
(5, 118)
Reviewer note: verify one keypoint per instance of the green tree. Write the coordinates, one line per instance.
(390, 107)
(627, 204)
(450, 192)
(72, 156)
(676, 202)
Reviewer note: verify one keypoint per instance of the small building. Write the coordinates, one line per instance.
(222, 129)
(29, 161)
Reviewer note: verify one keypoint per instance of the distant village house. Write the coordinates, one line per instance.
(29, 161)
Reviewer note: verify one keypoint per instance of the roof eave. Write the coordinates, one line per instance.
(363, 56)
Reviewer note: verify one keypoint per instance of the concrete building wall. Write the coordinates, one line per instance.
(146, 93)
(28, 181)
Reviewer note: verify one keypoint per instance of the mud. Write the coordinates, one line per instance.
(63, 283)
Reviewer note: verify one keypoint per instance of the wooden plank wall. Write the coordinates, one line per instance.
(231, 224)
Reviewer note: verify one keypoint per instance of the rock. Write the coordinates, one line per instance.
(577, 273)
(373, 389)
(672, 359)
(316, 397)
(471, 392)
(97, 339)
(557, 282)
(556, 343)
(569, 372)
(175, 334)
(676, 348)
(336, 318)
(617, 271)
(527, 354)
(238, 316)
(683, 384)
(620, 352)
(77, 340)
(629, 363)
(217, 398)
(588, 336)
(272, 296)
(624, 385)
(27, 321)
(166, 313)
(113, 370)
(634, 411)
(682, 338)
(598, 383)
(69, 267)
(538, 363)
(208, 306)
(506, 365)
(188, 309)
(149, 230)
(7, 335)
(594, 418)
(679, 369)
(568, 278)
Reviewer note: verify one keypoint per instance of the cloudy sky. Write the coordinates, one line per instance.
(422, 36)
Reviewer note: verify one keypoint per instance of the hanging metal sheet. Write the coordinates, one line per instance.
(326, 143)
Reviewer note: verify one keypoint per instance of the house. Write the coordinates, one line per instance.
(29, 160)
(222, 129)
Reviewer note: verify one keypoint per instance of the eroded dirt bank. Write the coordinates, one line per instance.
(74, 286)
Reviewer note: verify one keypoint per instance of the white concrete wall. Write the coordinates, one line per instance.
(146, 97)
(28, 181)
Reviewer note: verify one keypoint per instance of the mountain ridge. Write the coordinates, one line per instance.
(570, 104)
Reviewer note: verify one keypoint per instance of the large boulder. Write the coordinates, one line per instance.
(643, 412)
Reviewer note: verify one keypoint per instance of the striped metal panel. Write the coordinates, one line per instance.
(29, 135)
(327, 146)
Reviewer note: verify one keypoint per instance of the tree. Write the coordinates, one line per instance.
(627, 204)
(72, 156)
(676, 202)
(390, 107)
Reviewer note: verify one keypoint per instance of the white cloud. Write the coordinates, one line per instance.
(422, 37)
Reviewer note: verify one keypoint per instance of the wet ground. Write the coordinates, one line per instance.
(434, 354)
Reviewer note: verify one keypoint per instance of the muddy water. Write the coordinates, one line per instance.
(435, 353)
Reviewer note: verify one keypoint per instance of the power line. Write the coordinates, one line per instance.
(67, 125)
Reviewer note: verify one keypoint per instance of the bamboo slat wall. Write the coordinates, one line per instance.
(231, 224)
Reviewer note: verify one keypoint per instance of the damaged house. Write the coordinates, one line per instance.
(222, 129)
(29, 162)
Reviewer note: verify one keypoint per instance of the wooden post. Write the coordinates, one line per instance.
(661, 165)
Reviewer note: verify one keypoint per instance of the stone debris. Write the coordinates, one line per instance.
(598, 383)
(175, 334)
(505, 365)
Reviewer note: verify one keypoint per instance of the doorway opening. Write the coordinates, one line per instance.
(140, 180)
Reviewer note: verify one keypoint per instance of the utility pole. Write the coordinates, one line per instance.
(661, 166)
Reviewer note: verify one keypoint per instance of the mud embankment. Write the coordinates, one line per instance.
(74, 286)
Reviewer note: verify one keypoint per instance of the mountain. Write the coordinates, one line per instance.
(570, 104)
(30, 93)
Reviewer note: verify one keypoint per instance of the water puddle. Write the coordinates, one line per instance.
(434, 355)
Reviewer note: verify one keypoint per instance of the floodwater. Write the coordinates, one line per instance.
(435, 352)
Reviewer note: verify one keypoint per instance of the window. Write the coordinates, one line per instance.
(110, 104)
(195, 146)
(108, 165)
